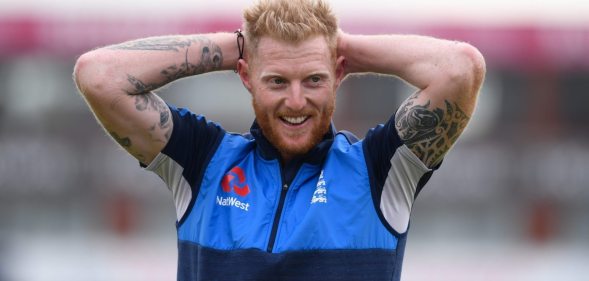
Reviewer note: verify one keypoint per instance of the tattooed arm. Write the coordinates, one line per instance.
(448, 75)
(117, 82)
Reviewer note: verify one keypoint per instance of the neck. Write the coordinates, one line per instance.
(285, 158)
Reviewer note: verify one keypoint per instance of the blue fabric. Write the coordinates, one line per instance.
(202, 263)
(328, 226)
(347, 220)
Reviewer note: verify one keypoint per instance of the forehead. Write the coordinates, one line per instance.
(312, 54)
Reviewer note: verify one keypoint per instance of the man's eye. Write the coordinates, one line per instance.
(315, 79)
(277, 81)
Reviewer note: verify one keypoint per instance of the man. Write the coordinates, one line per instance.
(294, 199)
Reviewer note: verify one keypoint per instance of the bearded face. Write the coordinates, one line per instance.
(293, 88)
(294, 132)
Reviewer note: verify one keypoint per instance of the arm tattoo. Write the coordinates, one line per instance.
(140, 86)
(123, 141)
(429, 133)
(211, 58)
(150, 102)
(166, 43)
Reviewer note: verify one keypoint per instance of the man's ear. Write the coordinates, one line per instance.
(340, 70)
(244, 73)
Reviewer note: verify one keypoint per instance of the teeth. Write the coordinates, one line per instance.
(295, 120)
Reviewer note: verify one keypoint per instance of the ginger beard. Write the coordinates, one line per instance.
(296, 143)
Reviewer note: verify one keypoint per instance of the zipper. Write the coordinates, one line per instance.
(288, 174)
(272, 240)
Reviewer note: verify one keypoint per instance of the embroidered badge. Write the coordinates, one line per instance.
(320, 194)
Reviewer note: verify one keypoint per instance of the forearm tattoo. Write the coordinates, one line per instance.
(429, 132)
(167, 43)
(211, 58)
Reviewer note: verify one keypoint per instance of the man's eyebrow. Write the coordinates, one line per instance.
(319, 73)
(323, 73)
(265, 75)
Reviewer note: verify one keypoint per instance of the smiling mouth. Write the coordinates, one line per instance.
(294, 121)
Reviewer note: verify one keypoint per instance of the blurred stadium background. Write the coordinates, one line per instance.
(509, 203)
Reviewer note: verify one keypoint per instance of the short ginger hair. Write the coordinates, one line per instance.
(291, 21)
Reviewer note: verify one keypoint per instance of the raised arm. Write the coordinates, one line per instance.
(117, 82)
(448, 75)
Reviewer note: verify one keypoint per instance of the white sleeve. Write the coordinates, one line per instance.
(399, 189)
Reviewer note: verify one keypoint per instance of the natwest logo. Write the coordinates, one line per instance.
(235, 180)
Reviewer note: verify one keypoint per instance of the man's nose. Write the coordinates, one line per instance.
(296, 99)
